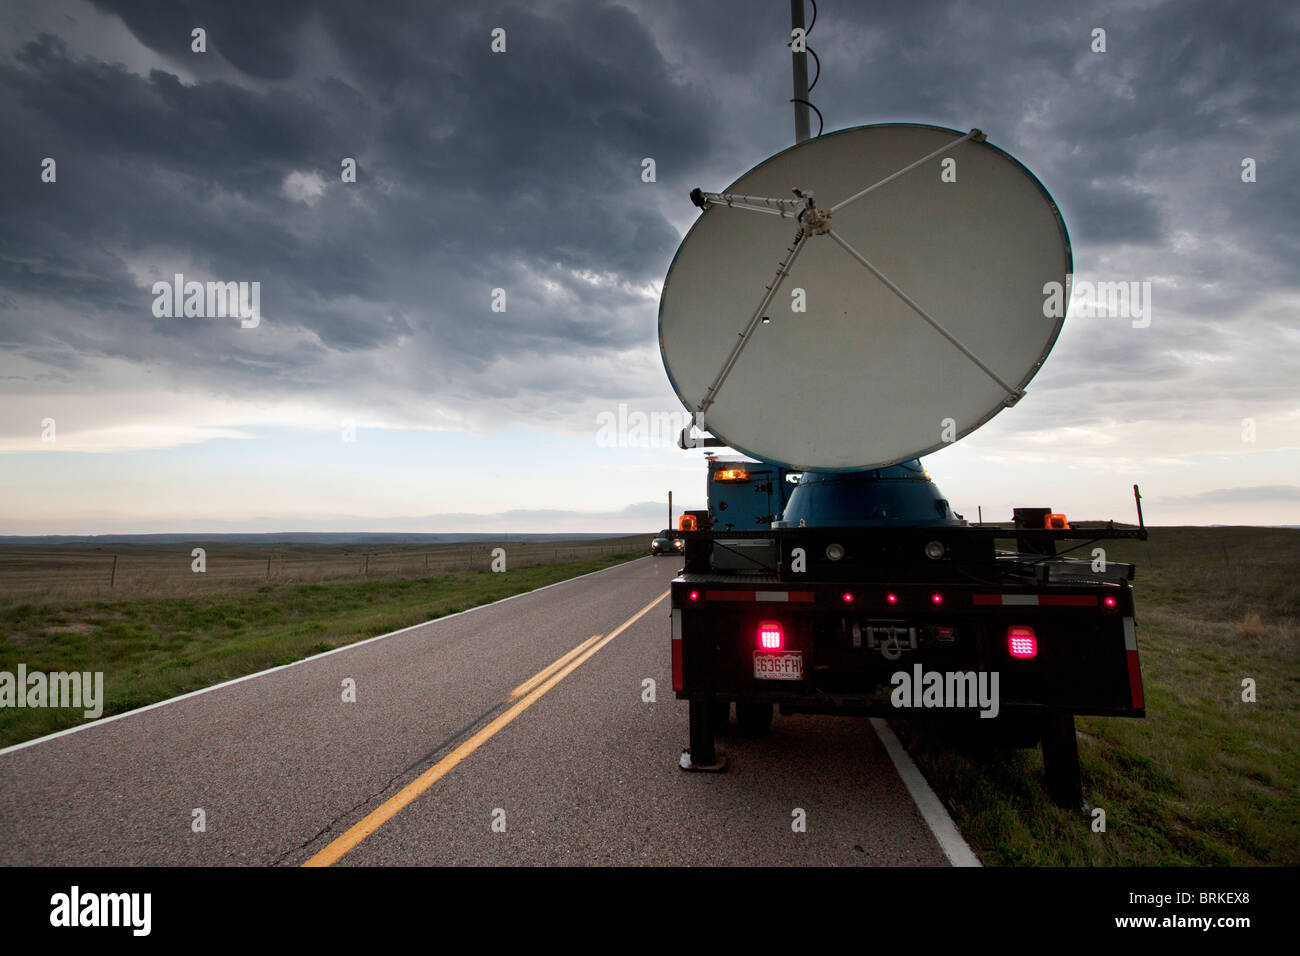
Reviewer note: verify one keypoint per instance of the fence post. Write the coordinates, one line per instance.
(366, 569)
(113, 580)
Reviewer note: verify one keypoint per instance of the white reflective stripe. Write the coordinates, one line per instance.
(1130, 635)
(771, 595)
(1020, 599)
(677, 624)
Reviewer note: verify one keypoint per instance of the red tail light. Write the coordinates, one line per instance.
(891, 598)
(848, 597)
(770, 636)
(695, 595)
(1109, 600)
(1022, 641)
(936, 598)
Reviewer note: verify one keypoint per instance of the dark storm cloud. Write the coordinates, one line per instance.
(1186, 84)
(256, 38)
(476, 171)
(521, 171)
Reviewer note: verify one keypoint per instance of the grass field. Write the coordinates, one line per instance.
(163, 630)
(1205, 778)
(73, 572)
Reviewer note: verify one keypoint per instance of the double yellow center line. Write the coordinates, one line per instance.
(524, 696)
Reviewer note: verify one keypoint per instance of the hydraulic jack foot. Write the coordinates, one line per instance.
(718, 764)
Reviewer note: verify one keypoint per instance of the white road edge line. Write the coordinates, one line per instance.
(314, 657)
(953, 844)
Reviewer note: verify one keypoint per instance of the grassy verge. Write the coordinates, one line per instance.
(1205, 778)
(151, 649)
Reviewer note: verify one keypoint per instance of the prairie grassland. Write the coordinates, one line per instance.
(60, 573)
(1205, 778)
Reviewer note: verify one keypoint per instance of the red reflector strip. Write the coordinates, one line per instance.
(678, 682)
(763, 596)
(1134, 668)
(1057, 600)
(783, 595)
(1135, 679)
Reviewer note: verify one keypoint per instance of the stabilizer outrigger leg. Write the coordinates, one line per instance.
(702, 756)
(1061, 762)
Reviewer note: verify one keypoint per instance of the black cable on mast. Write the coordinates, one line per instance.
(821, 123)
(801, 85)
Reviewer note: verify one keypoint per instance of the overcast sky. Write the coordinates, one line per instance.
(380, 391)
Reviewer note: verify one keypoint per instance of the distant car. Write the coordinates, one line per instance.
(665, 543)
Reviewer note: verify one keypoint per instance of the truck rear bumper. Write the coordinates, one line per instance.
(878, 706)
(888, 651)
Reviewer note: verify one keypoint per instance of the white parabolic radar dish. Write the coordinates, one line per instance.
(923, 265)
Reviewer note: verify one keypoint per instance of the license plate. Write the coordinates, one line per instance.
(787, 666)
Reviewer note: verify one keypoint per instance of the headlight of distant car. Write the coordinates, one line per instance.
(678, 544)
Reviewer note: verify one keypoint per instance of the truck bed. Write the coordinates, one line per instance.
(850, 626)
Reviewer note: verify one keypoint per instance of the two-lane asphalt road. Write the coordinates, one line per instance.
(516, 733)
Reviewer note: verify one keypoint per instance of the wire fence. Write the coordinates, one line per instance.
(129, 569)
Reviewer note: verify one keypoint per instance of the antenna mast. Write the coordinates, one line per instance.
(801, 124)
